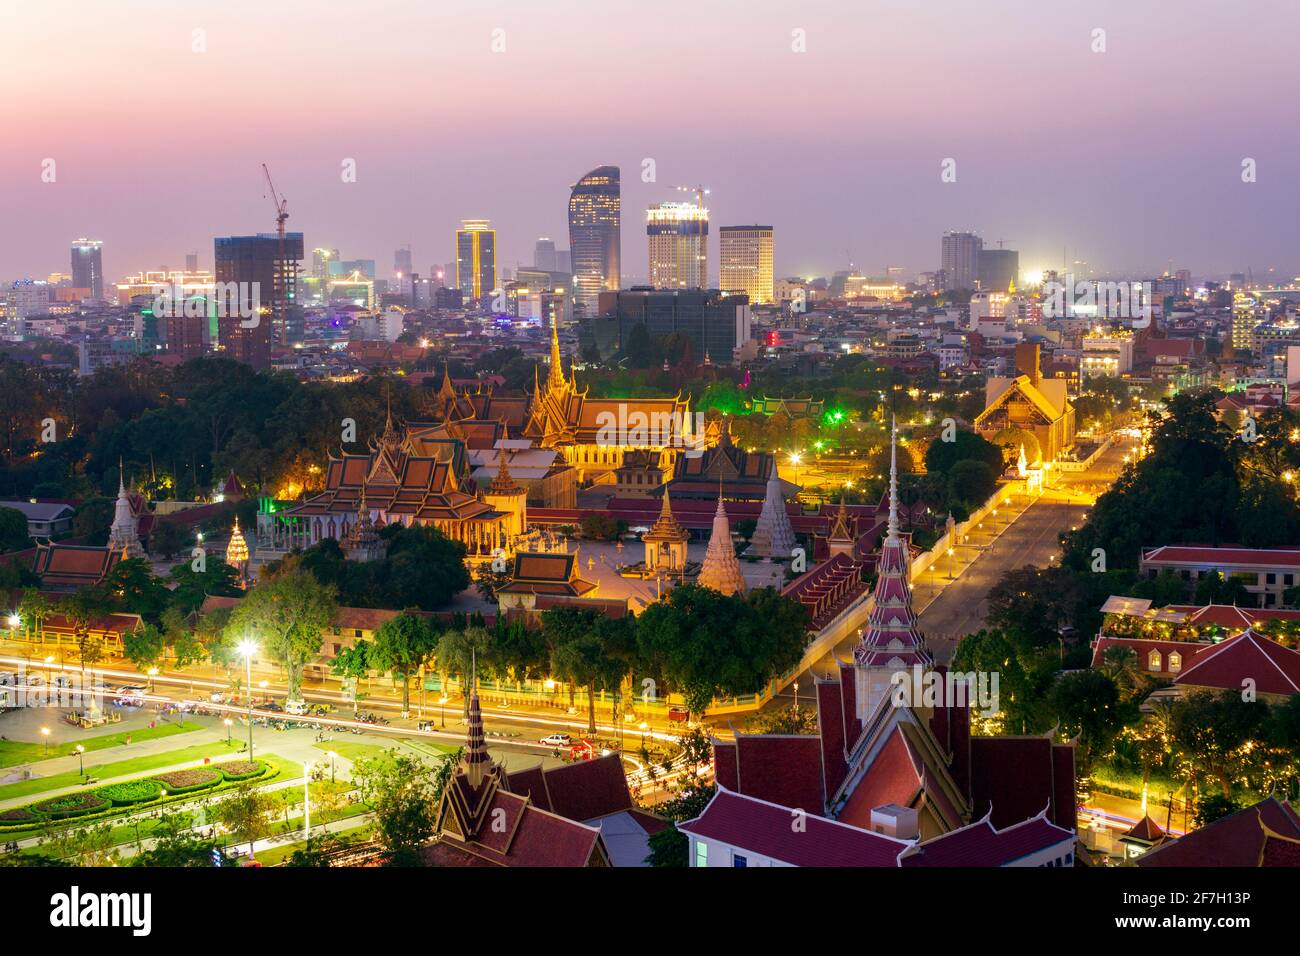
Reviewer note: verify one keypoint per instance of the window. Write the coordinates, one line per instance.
(1153, 660)
(701, 853)
(739, 861)
(1175, 661)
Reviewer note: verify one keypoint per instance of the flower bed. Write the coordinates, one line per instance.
(134, 791)
(187, 781)
(241, 769)
(70, 805)
(17, 815)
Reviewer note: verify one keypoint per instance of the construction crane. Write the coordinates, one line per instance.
(278, 304)
(700, 193)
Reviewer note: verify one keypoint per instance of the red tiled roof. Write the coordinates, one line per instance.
(531, 838)
(1016, 777)
(784, 769)
(1146, 830)
(893, 777)
(1255, 557)
(585, 789)
(1274, 668)
(1230, 615)
(1143, 648)
(982, 844)
(1235, 840)
(765, 828)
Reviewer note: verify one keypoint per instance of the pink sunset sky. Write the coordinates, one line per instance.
(1129, 159)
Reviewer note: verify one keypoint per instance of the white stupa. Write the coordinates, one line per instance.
(721, 570)
(773, 537)
(124, 535)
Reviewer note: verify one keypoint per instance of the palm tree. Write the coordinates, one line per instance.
(1122, 666)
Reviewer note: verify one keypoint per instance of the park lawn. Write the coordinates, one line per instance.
(15, 752)
(123, 833)
(436, 750)
(119, 768)
(353, 749)
(277, 855)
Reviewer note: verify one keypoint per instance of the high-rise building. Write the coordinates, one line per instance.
(476, 258)
(595, 241)
(320, 262)
(257, 262)
(678, 234)
(544, 254)
(402, 261)
(88, 266)
(716, 324)
(191, 262)
(961, 259)
(998, 269)
(745, 254)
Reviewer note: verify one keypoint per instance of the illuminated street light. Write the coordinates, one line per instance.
(81, 762)
(248, 649)
(45, 732)
(229, 723)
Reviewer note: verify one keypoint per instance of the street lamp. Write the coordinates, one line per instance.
(796, 695)
(644, 728)
(306, 802)
(81, 760)
(442, 706)
(228, 722)
(152, 672)
(45, 732)
(950, 551)
(332, 755)
(248, 649)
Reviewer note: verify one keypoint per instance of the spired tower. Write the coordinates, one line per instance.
(665, 542)
(721, 569)
(891, 642)
(841, 540)
(124, 535)
(505, 494)
(463, 812)
(773, 537)
(362, 541)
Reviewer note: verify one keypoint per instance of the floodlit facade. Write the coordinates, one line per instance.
(476, 258)
(746, 254)
(678, 240)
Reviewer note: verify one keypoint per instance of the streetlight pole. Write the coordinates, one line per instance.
(248, 649)
(45, 732)
(228, 723)
(81, 760)
(306, 803)
(950, 550)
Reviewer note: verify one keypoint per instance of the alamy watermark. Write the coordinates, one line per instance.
(633, 428)
(1089, 298)
(28, 689)
(919, 688)
(227, 300)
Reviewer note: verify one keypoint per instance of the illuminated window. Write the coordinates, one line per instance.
(701, 854)
(1153, 660)
(1175, 661)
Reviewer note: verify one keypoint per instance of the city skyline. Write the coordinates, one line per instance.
(1129, 159)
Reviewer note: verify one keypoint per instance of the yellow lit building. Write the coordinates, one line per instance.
(678, 240)
(476, 258)
(746, 254)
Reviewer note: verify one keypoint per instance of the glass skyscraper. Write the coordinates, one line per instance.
(476, 258)
(595, 208)
(88, 266)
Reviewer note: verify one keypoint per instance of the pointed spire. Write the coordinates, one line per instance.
(121, 478)
(476, 760)
(555, 381)
(893, 480)
(503, 483)
(720, 569)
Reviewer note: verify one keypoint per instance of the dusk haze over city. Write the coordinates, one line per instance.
(575, 435)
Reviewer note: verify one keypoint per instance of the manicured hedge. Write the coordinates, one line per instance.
(70, 805)
(241, 769)
(26, 819)
(187, 781)
(133, 791)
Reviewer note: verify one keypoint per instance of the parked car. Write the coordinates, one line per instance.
(557, 740)
(295, 707)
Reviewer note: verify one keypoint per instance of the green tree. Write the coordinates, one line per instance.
(669, 847)
(143, 646)
(401, 647)
(1087, 705)
(403, 792)
(247, 814)
(13, 530)
(353, 663)
(288, 614)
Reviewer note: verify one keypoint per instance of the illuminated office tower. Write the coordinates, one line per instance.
(745, 254)
(678, 234)
(961, 259)
(476, 258)
(88, 266)
(320, 262)
(595, 212)
(268, 264)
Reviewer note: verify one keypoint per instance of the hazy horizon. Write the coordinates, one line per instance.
(1130, 159)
